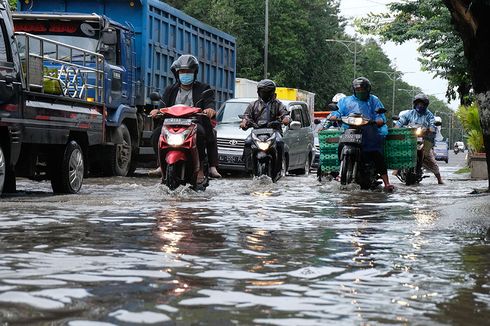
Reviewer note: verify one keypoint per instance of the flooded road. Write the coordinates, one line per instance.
(126, 251)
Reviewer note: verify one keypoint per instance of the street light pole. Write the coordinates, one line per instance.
(392, 75)
(412, 92)
(348, 45)
(266, 41)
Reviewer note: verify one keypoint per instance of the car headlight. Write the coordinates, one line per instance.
(263, 145)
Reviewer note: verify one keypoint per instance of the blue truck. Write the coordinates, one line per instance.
(139, 40)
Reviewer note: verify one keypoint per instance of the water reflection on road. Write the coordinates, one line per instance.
(297, 252)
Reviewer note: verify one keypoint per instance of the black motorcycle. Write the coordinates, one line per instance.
(264, 150)
(415, 174)
(353, 168)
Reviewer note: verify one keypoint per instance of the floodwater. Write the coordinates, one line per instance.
(127, 251)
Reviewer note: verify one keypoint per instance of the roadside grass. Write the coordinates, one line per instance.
(463, 170)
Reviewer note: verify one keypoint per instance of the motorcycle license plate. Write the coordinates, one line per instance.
(230, 159)
(351, 138)
(177, 121)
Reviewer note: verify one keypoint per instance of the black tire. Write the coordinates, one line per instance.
(446, 161)
(410, 177)
(172, 179)
(120, 158)
(346, 170)
(3, 169)
(67, 169)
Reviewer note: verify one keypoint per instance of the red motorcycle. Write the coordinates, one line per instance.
(178, 154)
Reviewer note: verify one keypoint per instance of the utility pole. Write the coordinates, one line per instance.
(266, 41)
(351, 46)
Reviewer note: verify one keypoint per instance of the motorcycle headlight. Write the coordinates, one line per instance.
(263, 145)
(418, 132)
(176, 139)
(355, 121)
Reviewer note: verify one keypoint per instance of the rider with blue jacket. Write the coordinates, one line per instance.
(363, 102)
(419, 115)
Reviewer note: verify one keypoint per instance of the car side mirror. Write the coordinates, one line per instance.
(295, 125)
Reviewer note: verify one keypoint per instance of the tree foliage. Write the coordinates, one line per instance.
(299, 55)
(429, 23)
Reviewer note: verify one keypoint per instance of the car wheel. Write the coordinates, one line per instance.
(67, 169)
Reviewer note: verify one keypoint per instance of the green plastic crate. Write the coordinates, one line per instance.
(329, 144)
(400, 148)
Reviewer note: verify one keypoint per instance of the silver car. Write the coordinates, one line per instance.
(299, 148)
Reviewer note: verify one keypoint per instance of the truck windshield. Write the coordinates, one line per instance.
(231, 111)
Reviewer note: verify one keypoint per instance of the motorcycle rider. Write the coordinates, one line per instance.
(363, 102)
(420, 115)
(188, 91)
(265, 108)
(332, 106)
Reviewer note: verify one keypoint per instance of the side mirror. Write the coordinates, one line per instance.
(395, 118)
(380, 110)
(295, 125)
(241, 116)
(438, 123)
(317, 121)
(109, 37)
(154, 96)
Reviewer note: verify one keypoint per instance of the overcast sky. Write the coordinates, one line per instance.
(405, 55)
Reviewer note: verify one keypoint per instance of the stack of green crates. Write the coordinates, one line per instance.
(329, 144)
(401, 148)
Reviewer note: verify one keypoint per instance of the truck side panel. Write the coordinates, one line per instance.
(162, 33)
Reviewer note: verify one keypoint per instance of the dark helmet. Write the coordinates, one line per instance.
(266, 89)
(362, 82)
(421, 98)
(185, 61)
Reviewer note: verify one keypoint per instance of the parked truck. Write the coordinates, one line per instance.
(51, 110)
(139, 40)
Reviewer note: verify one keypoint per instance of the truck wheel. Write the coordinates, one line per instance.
(3, 169)
(121, 155)
(67, 169)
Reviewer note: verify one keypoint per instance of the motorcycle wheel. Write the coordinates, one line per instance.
(346, 170)
(172, 179)
(410, 177)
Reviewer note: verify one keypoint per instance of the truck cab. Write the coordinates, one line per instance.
(98, 33)
(51, 111)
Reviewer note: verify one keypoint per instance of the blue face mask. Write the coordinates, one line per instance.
(186, 79)
(420, 108)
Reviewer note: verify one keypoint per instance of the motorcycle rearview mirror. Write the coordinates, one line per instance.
(154, 96)
(438, 123)
(380, 110)
(317, 121)
(395, 118)
(241, 116)
(204, 94)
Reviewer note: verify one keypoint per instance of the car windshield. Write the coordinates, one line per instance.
(231, 111)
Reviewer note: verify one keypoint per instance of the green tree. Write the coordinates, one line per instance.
(471, 21)
(429, 23)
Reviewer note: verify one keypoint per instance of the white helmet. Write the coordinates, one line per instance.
(337, 97)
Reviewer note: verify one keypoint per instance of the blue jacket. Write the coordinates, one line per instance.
(427, 120)
(372, 136)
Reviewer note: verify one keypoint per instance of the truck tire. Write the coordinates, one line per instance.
(67, 169)
(7, 173)
(3, 169)
(120, 158)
